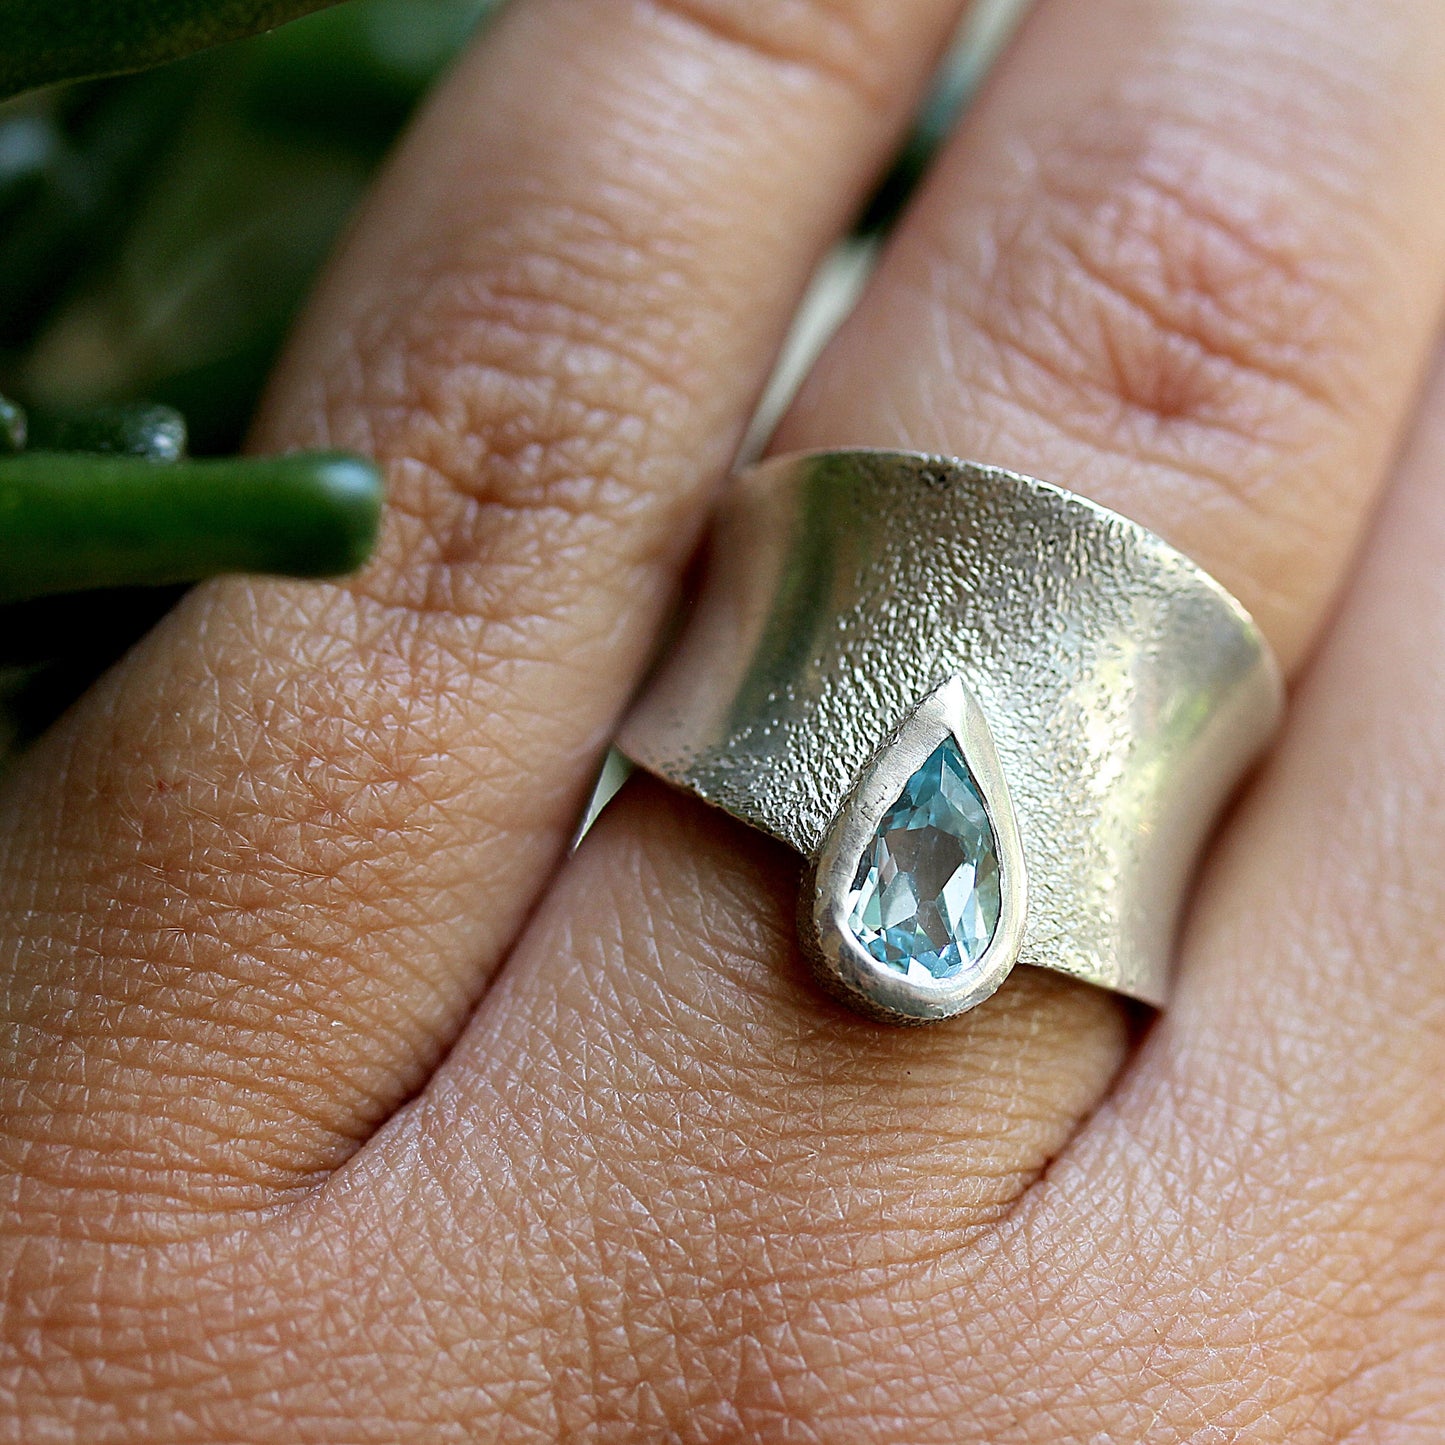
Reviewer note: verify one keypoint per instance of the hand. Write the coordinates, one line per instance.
(339, 1105)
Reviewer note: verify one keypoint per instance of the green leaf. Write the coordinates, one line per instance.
(50, 40)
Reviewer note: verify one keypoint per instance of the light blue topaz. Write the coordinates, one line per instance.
(926, 897)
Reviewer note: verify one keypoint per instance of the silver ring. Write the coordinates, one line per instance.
(997, 719)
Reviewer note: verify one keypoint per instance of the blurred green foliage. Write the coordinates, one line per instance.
(158, 231)
(157, 234)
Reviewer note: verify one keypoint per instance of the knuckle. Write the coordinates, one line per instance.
(522, 394)
(843, 41)
(528, 414)
(1168, 291)
(542, 388)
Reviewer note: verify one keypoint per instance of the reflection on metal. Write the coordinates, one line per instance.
(1124, 691)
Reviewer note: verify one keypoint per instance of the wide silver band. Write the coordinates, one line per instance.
(1107, 693)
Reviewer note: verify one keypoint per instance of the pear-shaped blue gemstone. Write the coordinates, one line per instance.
(926, 897)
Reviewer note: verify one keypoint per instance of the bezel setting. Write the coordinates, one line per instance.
(842, 963)
(1128, 695)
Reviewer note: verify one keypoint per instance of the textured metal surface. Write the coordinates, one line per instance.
(1125, 690)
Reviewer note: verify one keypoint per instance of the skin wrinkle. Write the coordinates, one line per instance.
(772, 1267)
(1135, 341)
(1174, 170)
(837, 40)
(607, 1182)
(1155, 247)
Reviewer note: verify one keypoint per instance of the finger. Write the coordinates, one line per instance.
(1215, 320)
(270, 863)
(1197, 284)
(1261, 1203)
(1283, 1134)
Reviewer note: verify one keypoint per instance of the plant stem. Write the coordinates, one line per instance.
(70, 523)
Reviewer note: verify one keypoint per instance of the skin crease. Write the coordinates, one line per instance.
(1186, 255)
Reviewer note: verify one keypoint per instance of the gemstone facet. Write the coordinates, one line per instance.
(925, 900)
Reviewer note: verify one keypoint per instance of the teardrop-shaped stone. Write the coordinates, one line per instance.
(925, 900)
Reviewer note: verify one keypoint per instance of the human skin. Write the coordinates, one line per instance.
(338, 1103)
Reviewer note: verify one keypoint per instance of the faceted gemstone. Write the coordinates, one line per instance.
(926, 897)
